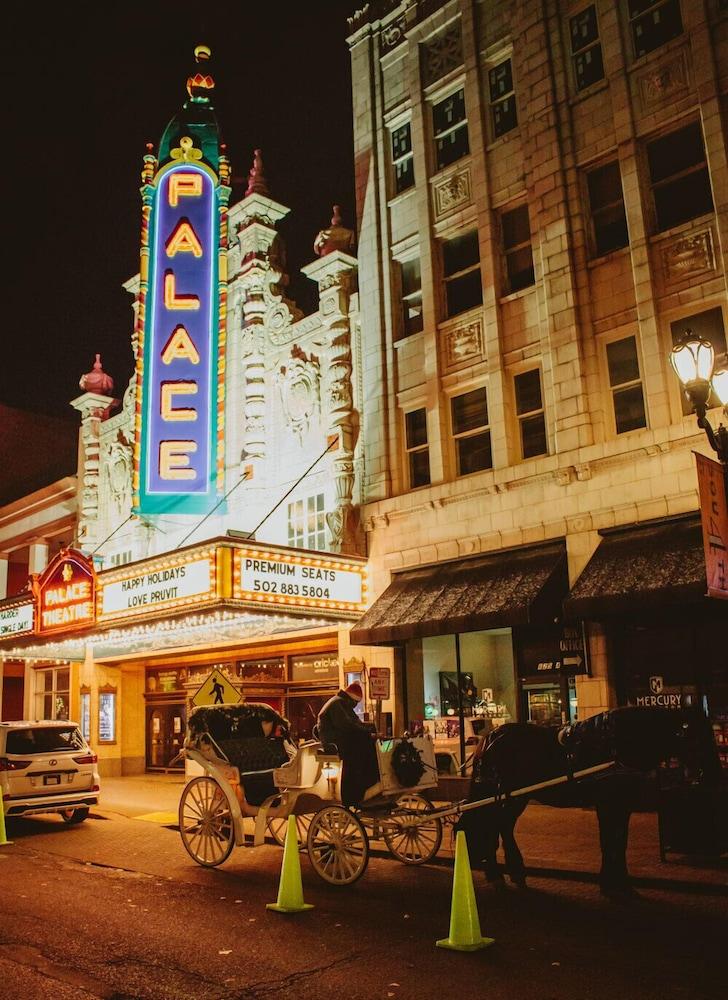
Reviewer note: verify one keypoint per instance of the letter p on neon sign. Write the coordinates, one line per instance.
(183, 185)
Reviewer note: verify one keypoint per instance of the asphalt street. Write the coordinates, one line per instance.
(114, 908)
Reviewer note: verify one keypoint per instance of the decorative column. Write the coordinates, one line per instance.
(335, 274)
(94, 406)
(259, 274)
(38, 556)
(4, 560)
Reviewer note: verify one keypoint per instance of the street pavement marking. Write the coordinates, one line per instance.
(163, 818)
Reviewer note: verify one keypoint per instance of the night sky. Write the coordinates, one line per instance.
(86, 86)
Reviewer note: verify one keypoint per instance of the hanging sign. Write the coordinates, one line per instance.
(179, 416)
(216, 690)
(714, 519)
(379, 683)
(66, 592)
(16, 619)
(159, 587)
(278, 578)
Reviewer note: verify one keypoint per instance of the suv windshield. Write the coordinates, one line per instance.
(44, 739)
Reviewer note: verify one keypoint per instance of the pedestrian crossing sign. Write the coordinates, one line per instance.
(216, 690)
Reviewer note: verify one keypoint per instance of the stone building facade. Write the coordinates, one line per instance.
(542, 191)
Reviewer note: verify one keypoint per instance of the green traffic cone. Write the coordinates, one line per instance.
(464, 922)
(3, 835)
(290, 890)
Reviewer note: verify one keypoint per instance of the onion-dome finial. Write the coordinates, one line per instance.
(97, 380)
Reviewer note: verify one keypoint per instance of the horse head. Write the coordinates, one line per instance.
(695, 746)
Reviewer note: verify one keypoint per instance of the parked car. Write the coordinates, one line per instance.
(47, 767)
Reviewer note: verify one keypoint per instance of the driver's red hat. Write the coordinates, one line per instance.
(355, 690)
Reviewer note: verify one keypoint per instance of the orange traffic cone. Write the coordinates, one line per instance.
(290, 890)
(464, 921)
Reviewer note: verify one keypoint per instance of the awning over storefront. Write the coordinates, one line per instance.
(504, 588)
(639, 568)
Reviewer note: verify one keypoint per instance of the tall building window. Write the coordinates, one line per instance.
(653, 22)
(450, 128)
(502, 99)
(586, 49)
(307, 523)
(626, 386)
(471, 432)
(402, 158)
(461, 272)
(708, 324)
(606, 205)
(52, 693)
(418, 452)
(530, 413)
(411, 296)
(516, 231)
(679, 176)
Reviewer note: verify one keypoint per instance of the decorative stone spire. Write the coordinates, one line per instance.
(257, 183)
(336, 237)
(97, 380)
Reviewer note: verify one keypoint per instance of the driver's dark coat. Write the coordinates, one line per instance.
(337, 720)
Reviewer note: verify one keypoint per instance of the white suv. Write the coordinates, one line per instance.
(47, 767)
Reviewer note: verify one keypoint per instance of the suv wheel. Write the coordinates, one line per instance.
(74, 815)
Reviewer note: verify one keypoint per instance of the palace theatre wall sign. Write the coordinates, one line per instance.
(65, 593)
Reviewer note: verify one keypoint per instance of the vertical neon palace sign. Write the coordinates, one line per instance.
(179, 458)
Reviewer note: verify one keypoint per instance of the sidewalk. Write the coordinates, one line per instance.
(555, 843)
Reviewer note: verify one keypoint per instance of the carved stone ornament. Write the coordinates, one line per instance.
(118, 465)
(299, 385)
(393, 33)
(688, 255)
(453, 192)
(464, 343)
(442, 54)
(664, 81)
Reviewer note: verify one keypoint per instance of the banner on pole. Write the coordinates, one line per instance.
(714, 519)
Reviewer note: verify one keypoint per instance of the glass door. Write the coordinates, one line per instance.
(166, 726)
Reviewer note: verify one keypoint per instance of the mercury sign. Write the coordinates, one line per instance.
(178, 467)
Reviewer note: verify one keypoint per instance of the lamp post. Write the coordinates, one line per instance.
(693, 359)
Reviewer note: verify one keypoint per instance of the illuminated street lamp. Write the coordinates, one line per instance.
(693, 358)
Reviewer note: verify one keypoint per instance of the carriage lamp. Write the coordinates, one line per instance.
(693, 359)
(330, 771)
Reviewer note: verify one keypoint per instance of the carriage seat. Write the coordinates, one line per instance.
(301, 771)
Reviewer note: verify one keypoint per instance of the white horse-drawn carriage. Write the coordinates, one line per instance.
(251, 770)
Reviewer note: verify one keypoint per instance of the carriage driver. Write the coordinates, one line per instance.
(339, 724)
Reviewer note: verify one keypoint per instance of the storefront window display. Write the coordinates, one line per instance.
(487, 689)
(107, 715)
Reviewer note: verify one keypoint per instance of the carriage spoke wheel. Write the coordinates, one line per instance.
(338, 846)
(205, 823)
(412, 843)
(278, 827)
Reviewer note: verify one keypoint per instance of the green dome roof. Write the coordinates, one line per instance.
(197, 118)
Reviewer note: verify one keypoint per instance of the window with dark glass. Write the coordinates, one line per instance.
(418, 452)
(461, 271)
(531, 417)
(679, 176)
(471, 432)
(606, 205)
(586, 49)
(626, 385)
(402, 158)
(502, 99)
(707, 324)
(516, 231)
(450, 128)
(411, 296)
(653, 22)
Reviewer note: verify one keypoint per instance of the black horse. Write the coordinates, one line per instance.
(638, 740)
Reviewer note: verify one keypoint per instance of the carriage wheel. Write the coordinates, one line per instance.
(278, 827)
(338, 846)
(205, 823)
(409, 842)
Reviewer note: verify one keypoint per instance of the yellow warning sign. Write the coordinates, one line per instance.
(216, 690)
